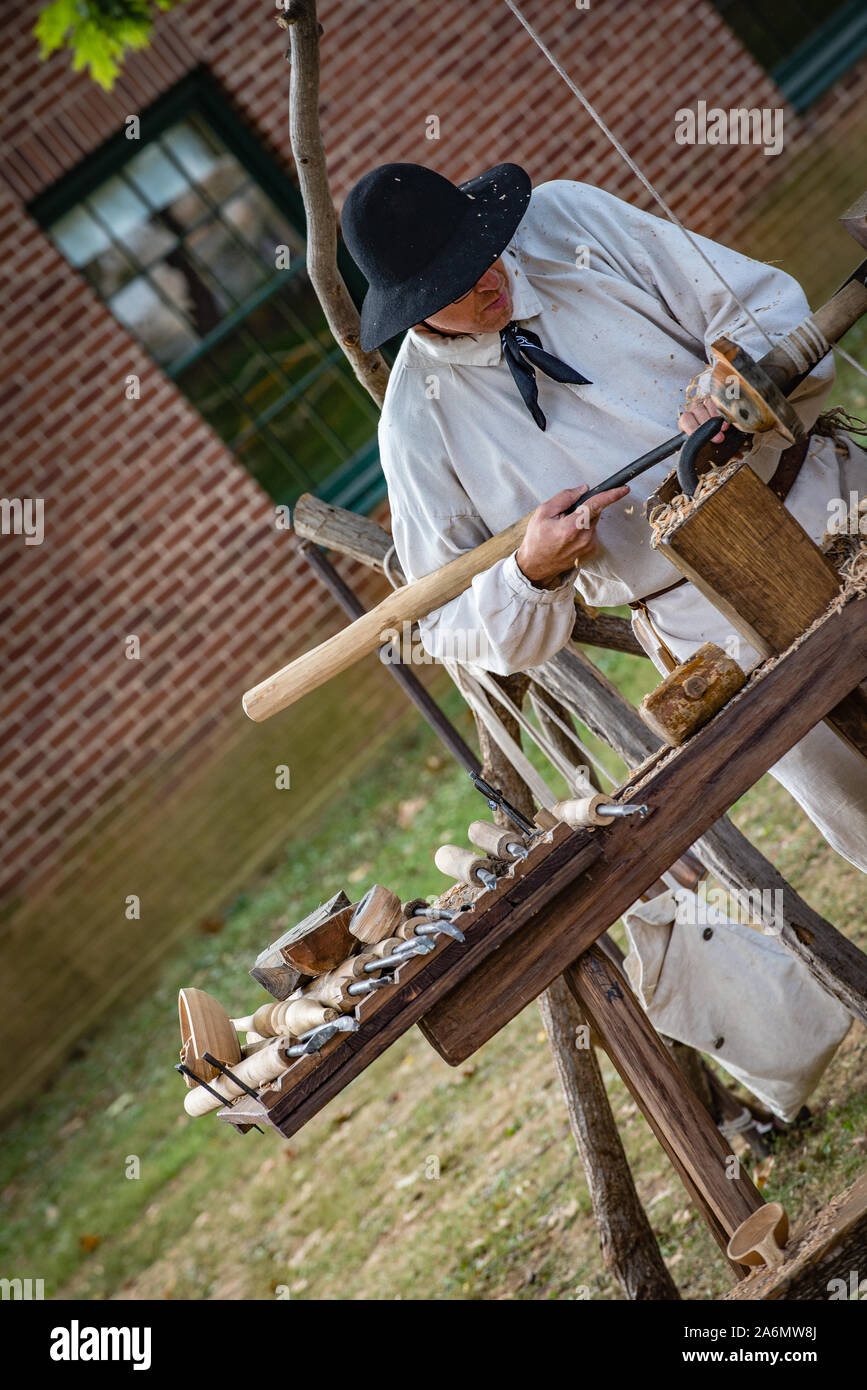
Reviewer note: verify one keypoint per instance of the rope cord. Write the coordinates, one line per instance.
(642, 177)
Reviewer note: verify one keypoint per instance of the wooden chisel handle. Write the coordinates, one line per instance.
(365, 635)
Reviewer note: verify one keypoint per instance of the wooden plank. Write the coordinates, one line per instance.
(831, 957)
(565, 895)
(708, 774)
(517, 901)
(747, 554)
(672, 1109)
(832, 1246)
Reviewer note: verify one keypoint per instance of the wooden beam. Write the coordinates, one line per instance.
(675, 1114)
(724, 759)
(831, 957)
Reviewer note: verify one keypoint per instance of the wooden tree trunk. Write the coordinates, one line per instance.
(629, 1248)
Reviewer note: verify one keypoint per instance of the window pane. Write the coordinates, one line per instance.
(203, 158)
(79, 237)
(166, 188)
(772, 29)
(147, 317)
(233, 271)
(181, 245)
(261, 225)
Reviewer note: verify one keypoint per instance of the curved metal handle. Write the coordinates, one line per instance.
(686, 473)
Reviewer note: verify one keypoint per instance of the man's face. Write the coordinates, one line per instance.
(486, 309)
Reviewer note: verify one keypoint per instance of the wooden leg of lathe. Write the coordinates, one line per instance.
(748, 555)
(723, 1193)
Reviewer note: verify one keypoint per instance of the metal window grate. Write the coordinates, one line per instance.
(179, 237)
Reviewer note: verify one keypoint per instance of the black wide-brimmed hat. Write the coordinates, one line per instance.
(423, 241)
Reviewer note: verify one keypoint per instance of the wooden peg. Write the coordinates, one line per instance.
(582, 810)
(463, 865)
(494, 840)
(407, 929)
(545, 819)
(692, 694)
(760, 1239)
(377, 915)
(296, 1016)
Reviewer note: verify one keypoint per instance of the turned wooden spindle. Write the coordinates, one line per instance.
(263, 1066)
(296, 1015)
(494, 840)
(463, 865)
(333, 989)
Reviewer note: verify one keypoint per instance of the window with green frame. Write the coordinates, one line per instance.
(193, 237)
(804, 45)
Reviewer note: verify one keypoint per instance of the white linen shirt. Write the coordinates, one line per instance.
(463, 459)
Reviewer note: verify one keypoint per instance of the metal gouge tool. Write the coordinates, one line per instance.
(755, 407)
(498, 802)
(368, 986)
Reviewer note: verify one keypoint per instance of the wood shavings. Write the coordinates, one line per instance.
(668, 515)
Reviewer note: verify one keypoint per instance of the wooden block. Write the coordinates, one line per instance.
(272, 971)
(317, 948)
(747, 554)
(377, 916)
(692, 694)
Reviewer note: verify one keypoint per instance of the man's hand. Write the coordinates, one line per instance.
(699, 411)
(554, 543)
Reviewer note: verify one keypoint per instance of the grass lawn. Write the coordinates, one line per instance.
(347, 1209)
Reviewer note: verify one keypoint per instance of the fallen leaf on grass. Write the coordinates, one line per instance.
(408, 810)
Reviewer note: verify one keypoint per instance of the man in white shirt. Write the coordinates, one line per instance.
(551, 340)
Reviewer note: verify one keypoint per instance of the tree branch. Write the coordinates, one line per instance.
(309, 154)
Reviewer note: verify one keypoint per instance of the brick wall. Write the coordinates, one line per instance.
(116, 772)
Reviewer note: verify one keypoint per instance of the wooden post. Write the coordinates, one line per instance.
(629, 1248)
(742, 548)
(713, 1178)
